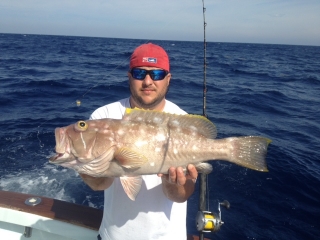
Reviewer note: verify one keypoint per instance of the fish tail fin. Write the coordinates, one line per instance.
(250, 152)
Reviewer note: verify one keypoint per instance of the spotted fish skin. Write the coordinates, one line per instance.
(150, 142)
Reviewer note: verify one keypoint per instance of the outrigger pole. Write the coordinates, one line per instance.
(207, 221)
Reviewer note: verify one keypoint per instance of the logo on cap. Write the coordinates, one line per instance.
(149, 60)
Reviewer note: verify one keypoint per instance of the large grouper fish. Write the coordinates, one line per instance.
(150, 142)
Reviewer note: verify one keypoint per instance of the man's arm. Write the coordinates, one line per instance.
(177, 186)
(97, 183)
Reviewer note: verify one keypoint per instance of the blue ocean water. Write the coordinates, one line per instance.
(253, 89)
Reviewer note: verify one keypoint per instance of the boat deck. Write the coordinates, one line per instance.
(76, 217)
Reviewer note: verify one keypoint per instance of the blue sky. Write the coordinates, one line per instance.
(244, 21)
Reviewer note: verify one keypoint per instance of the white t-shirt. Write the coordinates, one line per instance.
(152, 215)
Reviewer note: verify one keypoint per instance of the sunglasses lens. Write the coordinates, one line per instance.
(139, 74)
(155, 75)
(158, 74)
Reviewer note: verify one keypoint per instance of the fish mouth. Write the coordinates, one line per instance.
(62, 148)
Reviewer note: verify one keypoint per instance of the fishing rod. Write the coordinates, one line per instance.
(204, 62)
(207, 221)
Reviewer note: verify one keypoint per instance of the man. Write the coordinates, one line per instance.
(159, 211)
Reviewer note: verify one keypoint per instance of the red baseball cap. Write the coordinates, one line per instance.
(150, 55)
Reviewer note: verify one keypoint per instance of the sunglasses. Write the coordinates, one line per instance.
(156, 75)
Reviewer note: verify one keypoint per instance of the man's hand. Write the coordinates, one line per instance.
(177, 185)
(177, 175)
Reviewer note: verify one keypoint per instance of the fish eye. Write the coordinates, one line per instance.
(82, 126)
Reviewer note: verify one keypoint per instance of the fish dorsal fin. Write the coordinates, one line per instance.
(195, 123)
(146, 116)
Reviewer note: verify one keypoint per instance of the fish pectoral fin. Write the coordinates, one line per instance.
(131, 186)
(129, 159)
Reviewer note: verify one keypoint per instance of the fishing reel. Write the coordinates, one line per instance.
(210, 222)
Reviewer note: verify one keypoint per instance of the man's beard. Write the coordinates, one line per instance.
(151, 105)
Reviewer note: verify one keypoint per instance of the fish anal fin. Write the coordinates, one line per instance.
(129, 158)
(131, 186)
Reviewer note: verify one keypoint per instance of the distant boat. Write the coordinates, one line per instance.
(36, 218)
